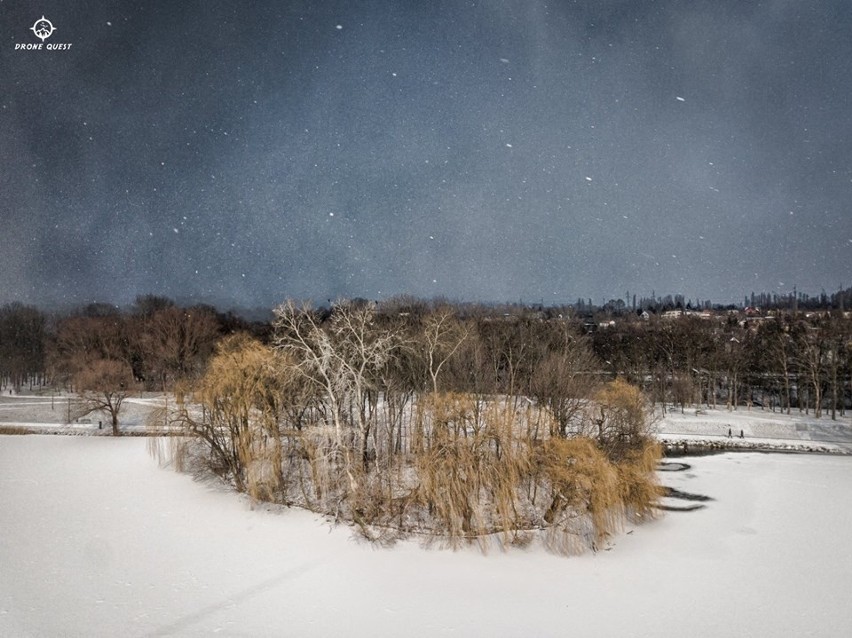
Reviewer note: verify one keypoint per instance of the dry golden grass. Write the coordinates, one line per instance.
(584, 504)
(640, 489)
(501, 480)
(16, 429)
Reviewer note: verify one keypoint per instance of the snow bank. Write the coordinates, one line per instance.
(96, 540)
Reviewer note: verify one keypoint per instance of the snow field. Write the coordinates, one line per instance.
(97, 540)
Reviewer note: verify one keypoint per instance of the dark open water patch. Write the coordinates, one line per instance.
(679, 508)
(676, 450)
(671, 492)
(673, 467)
(696, 501)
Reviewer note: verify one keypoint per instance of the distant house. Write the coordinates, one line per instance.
(702, 314)
(677, 314)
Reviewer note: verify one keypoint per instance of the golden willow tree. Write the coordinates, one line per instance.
(234, 410)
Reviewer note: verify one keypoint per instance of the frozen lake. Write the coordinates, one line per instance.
(96, 540)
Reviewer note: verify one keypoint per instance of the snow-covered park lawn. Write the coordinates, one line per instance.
(759, 429)
(49, 413)
(97, 540)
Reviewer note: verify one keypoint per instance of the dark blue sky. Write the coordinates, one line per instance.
(244, 152)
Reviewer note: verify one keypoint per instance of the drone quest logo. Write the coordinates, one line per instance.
(42, 29)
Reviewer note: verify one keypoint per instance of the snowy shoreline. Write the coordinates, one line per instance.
(698, 446)
(708, 430)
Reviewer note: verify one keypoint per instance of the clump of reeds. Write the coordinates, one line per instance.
(583, 503)
(640, 489)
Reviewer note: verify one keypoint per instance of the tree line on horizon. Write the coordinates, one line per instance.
(791, 361)
(793, 301)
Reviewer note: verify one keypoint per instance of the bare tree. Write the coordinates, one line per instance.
(175, 343)
(104, 384)
(95, 337)
(838, 337)
(811, 347)
(82, 340)
(443, 335)
(564, 382)
(344, 357)
(147, 306)
(22, 343)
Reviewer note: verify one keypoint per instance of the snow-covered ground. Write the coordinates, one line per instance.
(762, 429)
(97, 540)
(49, 413)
